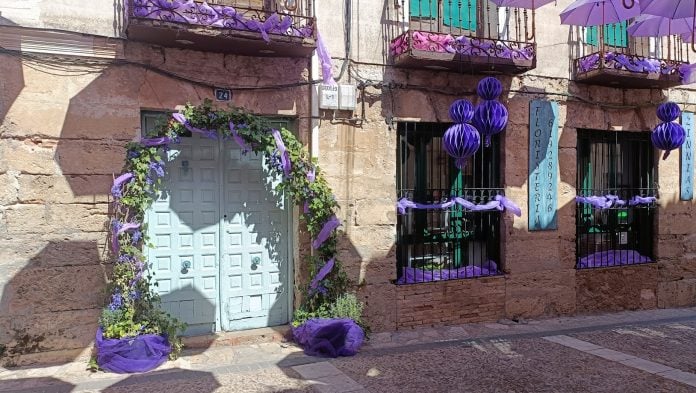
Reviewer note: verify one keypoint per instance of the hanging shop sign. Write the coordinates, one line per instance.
(543, 165)
(687, 158)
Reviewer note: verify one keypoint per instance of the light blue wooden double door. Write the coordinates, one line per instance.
(220, 234)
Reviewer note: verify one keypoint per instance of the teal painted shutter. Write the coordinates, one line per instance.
(424, 8)
(615, 34)
(460, 13)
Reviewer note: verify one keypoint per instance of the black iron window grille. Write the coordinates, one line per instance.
(617, 164)
(452, 243)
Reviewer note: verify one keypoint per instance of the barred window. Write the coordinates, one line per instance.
(619, 165)
(450, 243)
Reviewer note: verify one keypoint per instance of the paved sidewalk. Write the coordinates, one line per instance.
(538, 355)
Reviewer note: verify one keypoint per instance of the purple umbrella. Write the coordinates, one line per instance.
(655, 26)
(599, 12)
(528, 4)
(672, 9)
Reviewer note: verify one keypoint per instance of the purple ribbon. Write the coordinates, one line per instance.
(323, 272)
(181, 119)
(325, 232)
(499, 203)
(325, 61)
(284, 156)
(118, 183)
(609, 200)
(152, 142)
(311, 175)
(116, 229)
(245, 148)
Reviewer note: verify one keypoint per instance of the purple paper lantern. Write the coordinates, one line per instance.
(489, 88)
(461, 141)
(668, 136)
(489, 119)
(461, 111)
(669, 111)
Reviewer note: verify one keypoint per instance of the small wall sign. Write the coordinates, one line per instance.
(223, 94)
(543, 165)
(686, 178)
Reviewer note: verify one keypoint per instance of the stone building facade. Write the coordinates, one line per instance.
(74, 88)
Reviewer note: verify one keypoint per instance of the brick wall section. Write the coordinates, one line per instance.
(450, 303)
(613, 289)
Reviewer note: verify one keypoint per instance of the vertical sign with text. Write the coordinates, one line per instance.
(686, 180)
(543, 165)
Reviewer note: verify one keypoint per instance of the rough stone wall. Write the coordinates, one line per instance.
(62, 138)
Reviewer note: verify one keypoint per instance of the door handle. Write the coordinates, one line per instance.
(185, 266)
(255, 263)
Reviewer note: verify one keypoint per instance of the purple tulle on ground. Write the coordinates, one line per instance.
(131, 355)
(329, 337)
(414, 275)
(612, 258)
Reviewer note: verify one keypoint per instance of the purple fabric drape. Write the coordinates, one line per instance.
(608, 201)
(612, 258)
(212, 134)
(499, 202)
(325, 61)
(415, 275)
(118, 184)
(131, 355)
(329, 337)
(152, 142)
(325, 232)
(323, 272)
(235, 135)
(284, 156)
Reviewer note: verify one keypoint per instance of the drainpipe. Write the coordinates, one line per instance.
(314, 106)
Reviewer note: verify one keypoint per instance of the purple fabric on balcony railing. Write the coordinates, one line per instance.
(688, 73)
(445, 43)
(131, 355)
(325, 61)
(612, 258)
(221, 16)
(499, 202)
(326, 231)
(412, 275)
(235, 135)
(282, 151)
(608, 201)
(631, 63)
(329, 337)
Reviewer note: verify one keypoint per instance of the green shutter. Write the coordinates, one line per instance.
(460, 13)
(424, 8)
(615, 35)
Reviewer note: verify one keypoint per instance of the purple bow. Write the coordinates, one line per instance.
(639, 200)
(499, 203)
(325, 232)
(245, 148)
(323, 272)
(284, 156)
(325, 61)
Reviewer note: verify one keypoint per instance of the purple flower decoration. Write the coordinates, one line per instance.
(235, 135)
(136, 237)
(157, 168)
(311, 175)
(282, 152)
(116, 301)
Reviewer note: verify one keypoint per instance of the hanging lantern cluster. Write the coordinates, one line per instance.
(668, 135)
(461, 140)
(491, 116)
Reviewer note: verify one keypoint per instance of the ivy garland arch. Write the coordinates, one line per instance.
(134, 308)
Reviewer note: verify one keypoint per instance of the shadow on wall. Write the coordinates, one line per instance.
(39, 384)
(12, 81)
(44, 308)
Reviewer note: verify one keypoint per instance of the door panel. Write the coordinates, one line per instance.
(183, 224)
(254, 275)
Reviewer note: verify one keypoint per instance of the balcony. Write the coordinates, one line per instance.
(610, 57)
(245, 27)
(464, 36)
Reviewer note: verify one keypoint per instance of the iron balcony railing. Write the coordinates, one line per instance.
(465, 27)
(291, 18)
(611, 47)
(619, 164)
(445, 243)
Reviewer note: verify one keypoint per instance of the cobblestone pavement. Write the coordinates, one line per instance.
(644, 351)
